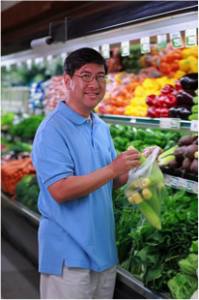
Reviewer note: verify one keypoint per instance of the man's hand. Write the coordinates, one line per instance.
(125, 161)
(147, 151)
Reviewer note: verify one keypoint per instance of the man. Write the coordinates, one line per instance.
(77, 168)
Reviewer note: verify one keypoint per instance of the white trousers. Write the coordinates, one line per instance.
(77, 283)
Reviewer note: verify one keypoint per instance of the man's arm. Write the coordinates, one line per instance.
(74, 187)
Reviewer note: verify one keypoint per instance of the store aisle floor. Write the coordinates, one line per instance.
(19, 277)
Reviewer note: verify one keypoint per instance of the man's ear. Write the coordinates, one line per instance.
(67, 81)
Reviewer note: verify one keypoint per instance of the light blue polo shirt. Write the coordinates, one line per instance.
(79, 232)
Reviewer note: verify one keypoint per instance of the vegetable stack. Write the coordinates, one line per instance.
(13, 171)
(183, 156)
(146, 189)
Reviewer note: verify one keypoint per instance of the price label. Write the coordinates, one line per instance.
(165, 123)
(174, 182)
(167, 179)
(169, 123)
(194, 126)
(106, 50)
(175, 123)
(189, 186)
(190, 37)
(162, 41)
(176, 40)
(181, 183)
(145, 44)
(133, 120)
(125, 48)
(195, 188)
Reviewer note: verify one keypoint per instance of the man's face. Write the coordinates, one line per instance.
(84, 96)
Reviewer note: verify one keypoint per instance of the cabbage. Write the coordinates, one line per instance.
(189, 265)
(183, 286)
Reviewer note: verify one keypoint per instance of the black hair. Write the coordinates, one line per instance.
(78, 58)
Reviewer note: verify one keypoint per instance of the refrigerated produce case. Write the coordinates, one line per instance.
(20, 224)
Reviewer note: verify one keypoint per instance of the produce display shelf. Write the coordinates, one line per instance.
(20, 226)
(180, 125)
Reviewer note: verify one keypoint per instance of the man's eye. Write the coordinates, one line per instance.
(86, 76)
(101, 77)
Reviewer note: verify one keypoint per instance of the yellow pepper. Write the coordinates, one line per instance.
(140, 91)
(137, 111)
(138, 101)
(185, 64)
(151, 84)
(194, 51)
(179, 74)
(162, 81)
(186, 53)
(194, 66)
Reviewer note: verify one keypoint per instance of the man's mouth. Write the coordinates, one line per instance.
(92, 94)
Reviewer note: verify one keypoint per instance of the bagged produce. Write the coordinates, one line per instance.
(145, 188)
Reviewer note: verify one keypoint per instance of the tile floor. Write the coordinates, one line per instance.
(19, 277)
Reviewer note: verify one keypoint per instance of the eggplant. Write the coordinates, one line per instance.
(186, 97)
(180, 111)
(173, 111)
(189, 81)
(183, 112)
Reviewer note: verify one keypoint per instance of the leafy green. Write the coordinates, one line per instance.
(182, 286)
(27, 127)
(27, 192)
(189, 265)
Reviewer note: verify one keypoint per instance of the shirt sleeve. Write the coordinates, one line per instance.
(51, 157)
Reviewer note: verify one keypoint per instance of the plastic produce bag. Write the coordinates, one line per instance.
(146, 189)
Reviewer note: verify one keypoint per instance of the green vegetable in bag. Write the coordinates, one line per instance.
(146, 189)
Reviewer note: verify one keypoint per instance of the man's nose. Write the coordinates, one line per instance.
(93, 82)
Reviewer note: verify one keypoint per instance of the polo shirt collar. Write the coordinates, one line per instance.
(72, 115)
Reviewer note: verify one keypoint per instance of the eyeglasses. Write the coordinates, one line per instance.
(89, 78)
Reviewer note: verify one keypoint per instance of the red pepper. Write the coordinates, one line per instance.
(167, 89)
(158, 112)
(151, 112)
(161, 100)
(167, 100)
(178, 86)
(150, 99)
(171, 100)
(164, 113)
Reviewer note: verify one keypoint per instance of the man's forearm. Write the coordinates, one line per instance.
(74, 187)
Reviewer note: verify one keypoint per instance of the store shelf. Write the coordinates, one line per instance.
(163, 25)
(171, 124)
(181, 183)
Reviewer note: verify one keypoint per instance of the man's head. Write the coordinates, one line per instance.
(75, 60)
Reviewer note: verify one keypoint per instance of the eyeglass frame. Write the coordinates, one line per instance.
(91, 77)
